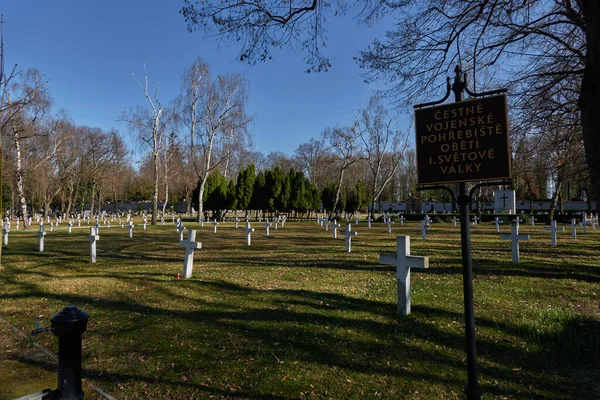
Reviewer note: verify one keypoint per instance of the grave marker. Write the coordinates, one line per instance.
(497, 223)
(349, 233)
(248, 231)
(573, 228)
(334, 228)
(267, 225)
(553, 229)
(369, 220)
(180, 230)
(403, 262)
(215, 223)
(424, 229)
(190, 246)
(5, 236)
(93, 237)
(389, 223)
(514, 236)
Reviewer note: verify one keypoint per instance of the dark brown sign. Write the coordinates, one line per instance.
(466, 141)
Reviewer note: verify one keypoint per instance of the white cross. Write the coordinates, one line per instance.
(532, 220)
(190, 245)
(334, 228)
(326, 224)
(93, 237)
(497, 223)
(321, 221)
(349, 233)
(574, 228)
(514, 237)
(427, 219)
(585, 224)
(553, 229)
(248, 231)
(41, 234)
(267, 225)
(424, 228)
(275, 222)
(215, 223)
(402, 220)
(389, 225)
(454, 220)
(369, 220)
(237, 220)
(180, 229)
(403, 262)
(475, 220)
(70, 225)
(283, 219)
(5, 235)
(130, 229)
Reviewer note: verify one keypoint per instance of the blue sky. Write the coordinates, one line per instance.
(88, 49)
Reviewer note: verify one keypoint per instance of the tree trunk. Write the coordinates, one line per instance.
(164, 208)
(337, 193)
(155, 194)
(19, 176)
(555, 200)
(589, 98)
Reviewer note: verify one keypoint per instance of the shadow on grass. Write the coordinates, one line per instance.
(314, 327)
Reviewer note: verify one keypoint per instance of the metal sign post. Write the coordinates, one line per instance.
(461, 142)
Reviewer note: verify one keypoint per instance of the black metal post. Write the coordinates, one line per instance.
(68, 325)
(472, 390)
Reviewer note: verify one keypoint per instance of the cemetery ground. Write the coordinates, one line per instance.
(293, 316)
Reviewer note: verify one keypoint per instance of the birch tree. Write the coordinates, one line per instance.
(213, 110)
(147, 122)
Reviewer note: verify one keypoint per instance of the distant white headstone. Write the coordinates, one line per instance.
(369, 220)
(402, 219)
(505, 202)
(403, 262)
(5, 236)
(215, 223)
(497, 223)
(389, 223)
(130, 229)
(574, 228)
(180, 230)
(267, 225)
(454, 220)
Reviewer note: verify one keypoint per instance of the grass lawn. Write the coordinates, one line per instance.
(294, 316)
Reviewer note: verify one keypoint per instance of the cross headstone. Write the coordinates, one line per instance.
(180, 230)
(553, 229)
(145, 222)
(321, 221)
(402, 219)
(497, 223)
(41, 235)
(215, 223)
(267, 225)
(389, 225)
(427, 219)
(248, 231)
(93, 237)
(70, 225)
(334, 228)
(283, 219)
(130, 226)
(454, 220)
(369, 220)
(532, 220)
(5, 236)
(585, 223)
(475, 220)
(237, 220)
(349, 233)
(275, 222)
(190, 246)
(574, 228)
(326, 224)
(514, 237)
(424, 228)
(403, 262)
(356, 219)
(79, 222)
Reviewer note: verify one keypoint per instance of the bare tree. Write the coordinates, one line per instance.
(509, 43)
(213, 110)
(345, 144)
(384, 146)
(148, 123)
